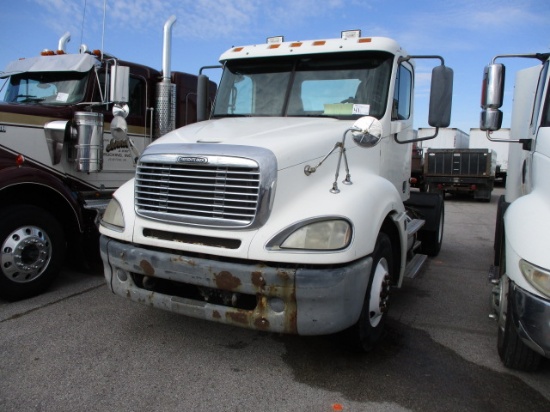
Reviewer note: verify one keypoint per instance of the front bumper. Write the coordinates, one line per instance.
(306, 301)
(531, 315)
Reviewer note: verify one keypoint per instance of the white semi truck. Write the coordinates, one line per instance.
(521, 271)
(289, 210)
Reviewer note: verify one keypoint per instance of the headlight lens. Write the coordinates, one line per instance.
(323, 235)
(113, 218)
(538, 277)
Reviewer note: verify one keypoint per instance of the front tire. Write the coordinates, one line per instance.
(512, 351)
(368, 330)
(32, 246)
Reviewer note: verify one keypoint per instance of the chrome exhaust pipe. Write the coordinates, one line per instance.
(167, 49)
(63, 42)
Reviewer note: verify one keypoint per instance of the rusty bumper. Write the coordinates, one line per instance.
(306, 301)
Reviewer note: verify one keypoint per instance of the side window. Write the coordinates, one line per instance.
(401, 109)
(545, 120)
(136, 92)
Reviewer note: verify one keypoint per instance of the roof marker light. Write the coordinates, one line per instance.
(351, 34)
(237, 49)
(296, 44)
(275, 39)
(364, 40)
(319, 43)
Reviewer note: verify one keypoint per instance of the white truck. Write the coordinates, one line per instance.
(289, 210)
(71, 128)
(521, 271)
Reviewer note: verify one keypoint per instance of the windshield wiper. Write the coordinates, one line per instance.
(29, 98)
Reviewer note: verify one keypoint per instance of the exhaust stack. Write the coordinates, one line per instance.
(166, 91)
(167, 49)
(63, 42)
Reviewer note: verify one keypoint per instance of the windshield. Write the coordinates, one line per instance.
(60, 88)
(334, 85)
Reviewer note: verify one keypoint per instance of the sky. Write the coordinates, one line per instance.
(466, 33)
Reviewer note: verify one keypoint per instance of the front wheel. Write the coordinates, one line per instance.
(33, 247)
(513, 353)
(366, 333)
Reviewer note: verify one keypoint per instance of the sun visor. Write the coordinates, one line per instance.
(59, 63)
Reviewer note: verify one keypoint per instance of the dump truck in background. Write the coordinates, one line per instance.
(521, 270)
(460, 172)
(478, 140)
(447, 138)
(289, 210)
(71, 129)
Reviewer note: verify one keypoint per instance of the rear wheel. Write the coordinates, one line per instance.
(433, 239)
(32, 246)
(366, 333)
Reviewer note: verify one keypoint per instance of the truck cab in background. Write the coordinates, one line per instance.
(71, 129)
(289, 210)
(521, 271)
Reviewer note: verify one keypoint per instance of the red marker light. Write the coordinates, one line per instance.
(19, 160)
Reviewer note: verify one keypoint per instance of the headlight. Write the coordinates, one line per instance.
(320, 235)
(113, 218)
(538, 277)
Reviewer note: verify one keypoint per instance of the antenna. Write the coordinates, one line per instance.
(103, 33)
(82, 27)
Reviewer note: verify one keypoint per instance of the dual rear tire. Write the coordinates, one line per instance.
(32, 251)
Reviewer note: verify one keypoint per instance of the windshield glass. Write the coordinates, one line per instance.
(61, 88)
(335, 85)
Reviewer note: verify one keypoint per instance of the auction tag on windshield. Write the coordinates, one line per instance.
(363, 109)
(62, 97)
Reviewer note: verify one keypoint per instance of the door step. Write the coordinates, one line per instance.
(414, 265)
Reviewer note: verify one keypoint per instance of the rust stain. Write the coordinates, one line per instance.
(283, 274)
(147, 268)
(226, 281)
(216, 315)
(258, 280)
(180, 259)
(238, 317)
(261, 323)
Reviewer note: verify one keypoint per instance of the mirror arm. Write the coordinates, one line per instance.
(419, 139)
(540, 56)
(409, 57)
(525, 142)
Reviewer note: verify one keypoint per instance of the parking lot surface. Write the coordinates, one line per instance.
(80, 348)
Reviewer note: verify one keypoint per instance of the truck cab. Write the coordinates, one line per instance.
(289, 209)
(521, 271)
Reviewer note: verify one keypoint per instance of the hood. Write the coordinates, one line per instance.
(293, 140)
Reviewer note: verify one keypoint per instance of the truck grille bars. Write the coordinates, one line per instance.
(215, 191)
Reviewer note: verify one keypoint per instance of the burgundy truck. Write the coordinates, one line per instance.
(71, 129)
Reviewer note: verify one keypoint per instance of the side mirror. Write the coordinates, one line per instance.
(492, 94)
(366, 131)
(441, 96)
(120, 79)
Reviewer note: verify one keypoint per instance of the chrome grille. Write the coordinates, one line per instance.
(217, 192)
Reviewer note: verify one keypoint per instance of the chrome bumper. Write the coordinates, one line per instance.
(531, 315)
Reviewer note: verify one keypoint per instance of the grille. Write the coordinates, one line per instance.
(205, 194)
